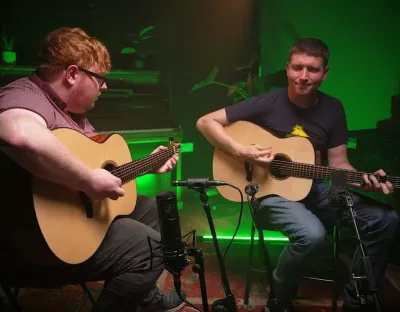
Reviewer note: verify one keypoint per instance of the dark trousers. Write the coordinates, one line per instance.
(122, 261)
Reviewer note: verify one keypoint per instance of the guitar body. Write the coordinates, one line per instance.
(232, 170)
(70, 235)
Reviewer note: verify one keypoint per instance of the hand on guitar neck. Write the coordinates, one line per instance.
(371, 183)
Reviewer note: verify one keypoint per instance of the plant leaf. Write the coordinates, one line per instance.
(128, 50)
(147, 37)
(11, 44)
(212, 75)
(209, 80)
(146, 30)
(200, 85)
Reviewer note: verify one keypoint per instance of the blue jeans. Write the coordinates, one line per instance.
(305, 224)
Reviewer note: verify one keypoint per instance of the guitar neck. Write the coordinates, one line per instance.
(310, 171)
(134, 169)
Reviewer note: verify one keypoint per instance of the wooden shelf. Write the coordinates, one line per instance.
(136, 77)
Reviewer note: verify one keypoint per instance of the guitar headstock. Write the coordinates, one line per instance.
(176, 146)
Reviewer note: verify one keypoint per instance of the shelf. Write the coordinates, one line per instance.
(136, 77)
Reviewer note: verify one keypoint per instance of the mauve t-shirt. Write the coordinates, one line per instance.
(34, 94)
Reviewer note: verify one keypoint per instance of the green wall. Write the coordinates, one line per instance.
(364, 44)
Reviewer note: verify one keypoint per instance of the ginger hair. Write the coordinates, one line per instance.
(72, 46)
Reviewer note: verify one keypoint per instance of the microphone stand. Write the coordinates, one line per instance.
(228, 304)
(198, 267)
(340, 196)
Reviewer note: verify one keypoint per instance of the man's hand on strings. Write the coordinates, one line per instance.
(258, 154)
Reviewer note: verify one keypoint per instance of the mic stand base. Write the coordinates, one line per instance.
(340, 196)
(228, 304)
(372, 287)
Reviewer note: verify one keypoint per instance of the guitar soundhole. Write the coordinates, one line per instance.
(278, 169)
(109, 166)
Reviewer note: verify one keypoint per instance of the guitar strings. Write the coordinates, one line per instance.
(290, 168)
(134, 168)
(324, 172)
(293, 168)
(137, 165)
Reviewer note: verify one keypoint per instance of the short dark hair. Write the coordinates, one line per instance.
(311, 46)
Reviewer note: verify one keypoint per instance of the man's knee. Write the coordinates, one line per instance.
(309, 238)
(129, 239)
(388, 222)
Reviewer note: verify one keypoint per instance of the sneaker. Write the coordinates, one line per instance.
(158, 301)
(275, 306)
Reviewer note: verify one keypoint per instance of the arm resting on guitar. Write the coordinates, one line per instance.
(212, 127)
(30, 144)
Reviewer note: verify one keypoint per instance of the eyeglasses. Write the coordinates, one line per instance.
(100, 79)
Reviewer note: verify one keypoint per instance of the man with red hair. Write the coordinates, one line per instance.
(70, 78)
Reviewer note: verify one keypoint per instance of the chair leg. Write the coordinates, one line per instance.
(12, 298)
(250, 266)
(88, 294)
(335, 271)
(268, 266)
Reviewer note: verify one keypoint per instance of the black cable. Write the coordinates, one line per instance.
(239, 221)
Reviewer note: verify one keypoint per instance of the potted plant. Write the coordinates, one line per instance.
(250, 81)
(141, 47)
(8, 55)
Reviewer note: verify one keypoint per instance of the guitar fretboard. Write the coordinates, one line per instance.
(134, 169)
(310, 171)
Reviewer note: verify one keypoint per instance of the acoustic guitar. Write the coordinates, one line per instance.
(72, 226)
(289, 175)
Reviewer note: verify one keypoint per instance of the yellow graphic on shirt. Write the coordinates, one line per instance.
(299, 131)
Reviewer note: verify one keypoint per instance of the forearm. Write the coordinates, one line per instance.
(53, 162)
(37, 150)
(215, 134)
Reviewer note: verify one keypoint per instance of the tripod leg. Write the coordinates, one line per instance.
(268, 266)
(199, 269)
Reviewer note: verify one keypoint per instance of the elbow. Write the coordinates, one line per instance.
(16, 141)
(201, 123)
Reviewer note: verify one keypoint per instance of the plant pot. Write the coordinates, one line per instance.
(9, 57)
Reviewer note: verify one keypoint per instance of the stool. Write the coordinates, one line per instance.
(268, 267)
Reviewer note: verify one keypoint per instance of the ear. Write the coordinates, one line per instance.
(326, 70)
(71, 74)
(287, 67)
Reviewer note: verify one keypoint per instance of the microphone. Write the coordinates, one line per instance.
(171, 237)
(198, 183)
